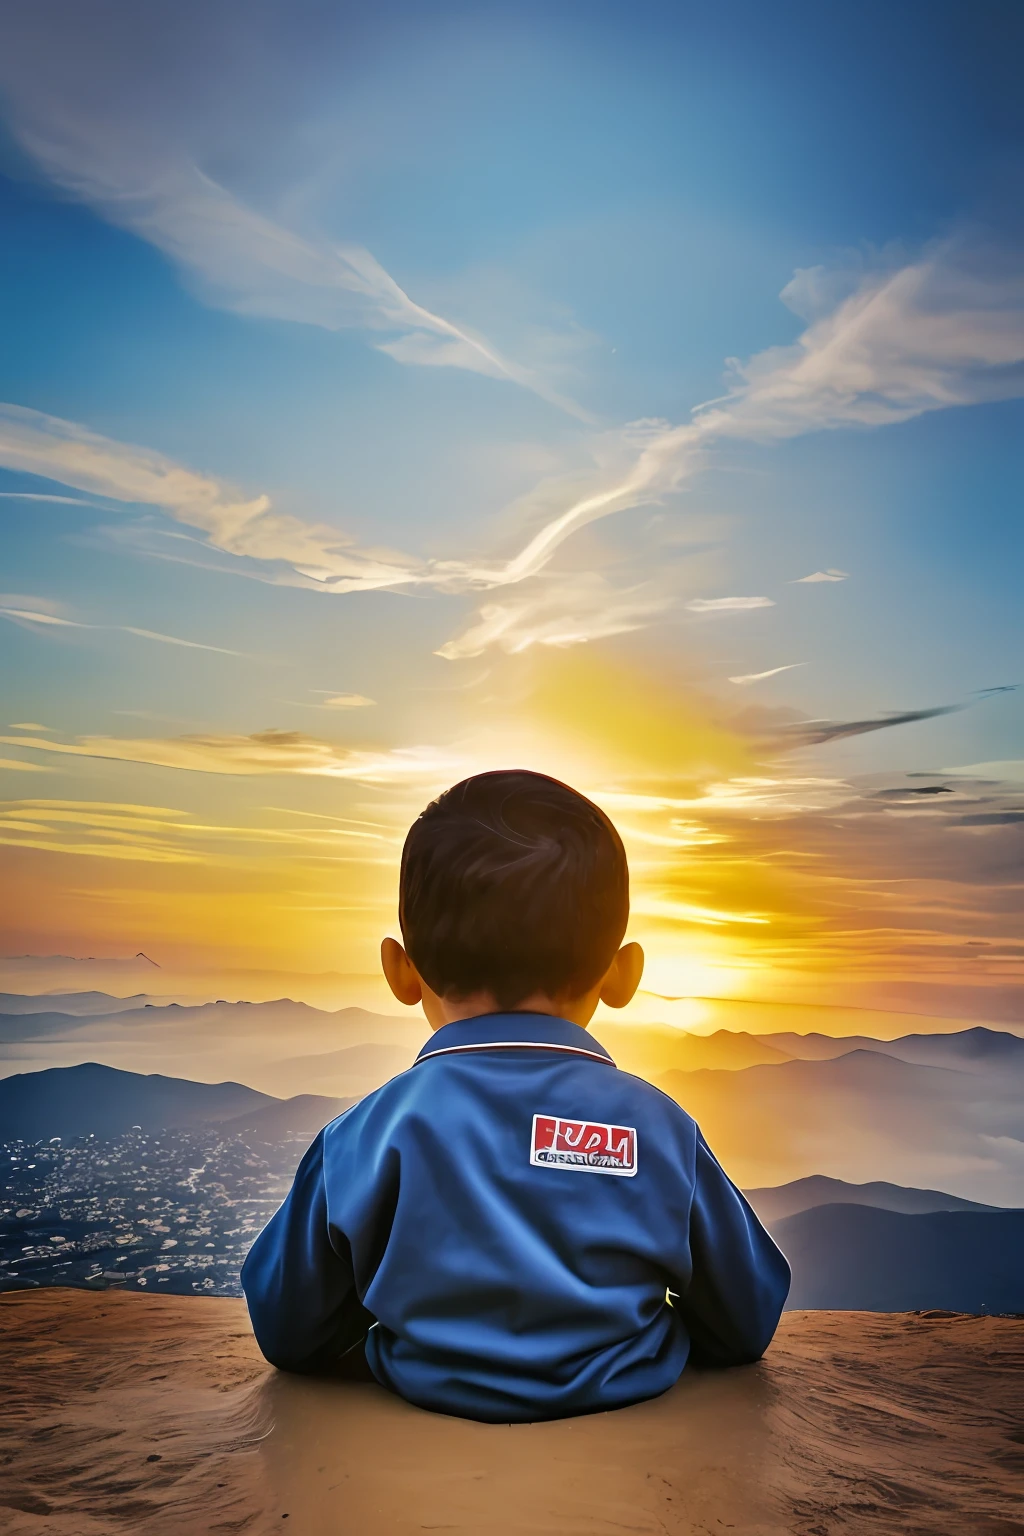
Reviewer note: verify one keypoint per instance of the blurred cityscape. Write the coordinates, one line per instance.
(175, 1211)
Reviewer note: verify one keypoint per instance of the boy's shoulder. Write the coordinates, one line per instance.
(432, 1079)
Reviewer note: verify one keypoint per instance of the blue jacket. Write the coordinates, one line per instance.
(501, 1223)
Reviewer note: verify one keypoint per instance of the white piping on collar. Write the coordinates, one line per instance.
(516, 1045)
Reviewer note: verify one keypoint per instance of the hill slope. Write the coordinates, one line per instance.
(305, 1114)
(354, 1070)
(972, 1050)
(650, 1050)
(862, 1116)
(803, 1194)
(69, 1002)
(978, 1049)
(77, 1101)
(858, 1258)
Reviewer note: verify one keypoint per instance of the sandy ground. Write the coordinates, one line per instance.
(136, 1414)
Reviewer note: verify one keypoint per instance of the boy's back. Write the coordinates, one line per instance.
(499, 1226)
(511, 1211)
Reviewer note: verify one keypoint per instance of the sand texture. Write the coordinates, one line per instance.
(136, 1414)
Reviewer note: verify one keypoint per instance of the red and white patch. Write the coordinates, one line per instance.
(586, 1146)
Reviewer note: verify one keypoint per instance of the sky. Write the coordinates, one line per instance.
(630, 393)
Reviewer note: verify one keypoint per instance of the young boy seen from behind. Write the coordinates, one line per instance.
(498, 1226)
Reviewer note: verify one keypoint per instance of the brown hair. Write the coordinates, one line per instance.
(513, 883)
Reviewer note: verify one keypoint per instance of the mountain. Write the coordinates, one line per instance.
(249, 1018)
(82, 1003)
(233, 1040)
(815, 1047)
(862, 1116)
(971, 1050)
(144, 1019)
(27, 1028)
(305, 1114)
(355, 1069)
(143, 1014)
(858, 1258)
(773, 1205)
(978, 1049)
(74, 1101)
(861, 1072)
(650, 1050)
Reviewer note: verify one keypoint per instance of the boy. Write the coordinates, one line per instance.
(498, 1227)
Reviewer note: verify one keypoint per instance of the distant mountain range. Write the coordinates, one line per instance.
(359, 1067)
(105, 1102)
(650, 1050)
(863, 1114)
(873, 1247)
(856, 1257)
(222, 1040)
(303, 1115)
(77, 1101)
(917, 1111)
(143, 1019)
(977, 1049)
(72, 1002)
(654, 1050)
(773, 1205)
(180, 1028)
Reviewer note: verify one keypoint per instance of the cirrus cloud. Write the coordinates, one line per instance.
(728, 604)
(944, 331)
(263, 752)
(562, 612)
(40, 617)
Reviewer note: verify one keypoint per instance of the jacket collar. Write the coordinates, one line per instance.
(512, 1031)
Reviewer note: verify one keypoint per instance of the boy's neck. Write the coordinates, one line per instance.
(444, 1010)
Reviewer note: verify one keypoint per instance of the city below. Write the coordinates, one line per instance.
(175, 1211)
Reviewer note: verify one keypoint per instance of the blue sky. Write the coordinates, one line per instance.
(430, 280)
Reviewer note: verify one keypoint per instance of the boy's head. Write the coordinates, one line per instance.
(514, 892)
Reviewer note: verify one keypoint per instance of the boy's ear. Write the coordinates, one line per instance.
(400, 973)
(623, 976)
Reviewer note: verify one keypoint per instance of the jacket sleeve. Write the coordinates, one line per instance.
(740, 1280)
(298, 1282)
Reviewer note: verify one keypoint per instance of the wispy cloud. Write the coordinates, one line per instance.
(306, 554)
(29, 617)
(945, 331)
(67, 501)
(686, 912)
(264, 752)
(140, 159)
(570, 611)
(153, 634)
(817, 732)
(37, 617)
(728, 604)
(61, 450)
(942, 331)
(759, 677)
(17, 766)
(1009, 770)
(156, 834)
(333, 700)
(829, 575)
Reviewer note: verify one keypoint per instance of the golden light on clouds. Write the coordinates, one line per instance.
(754, 876)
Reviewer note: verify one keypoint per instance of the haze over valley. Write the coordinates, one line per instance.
(147, 1141)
